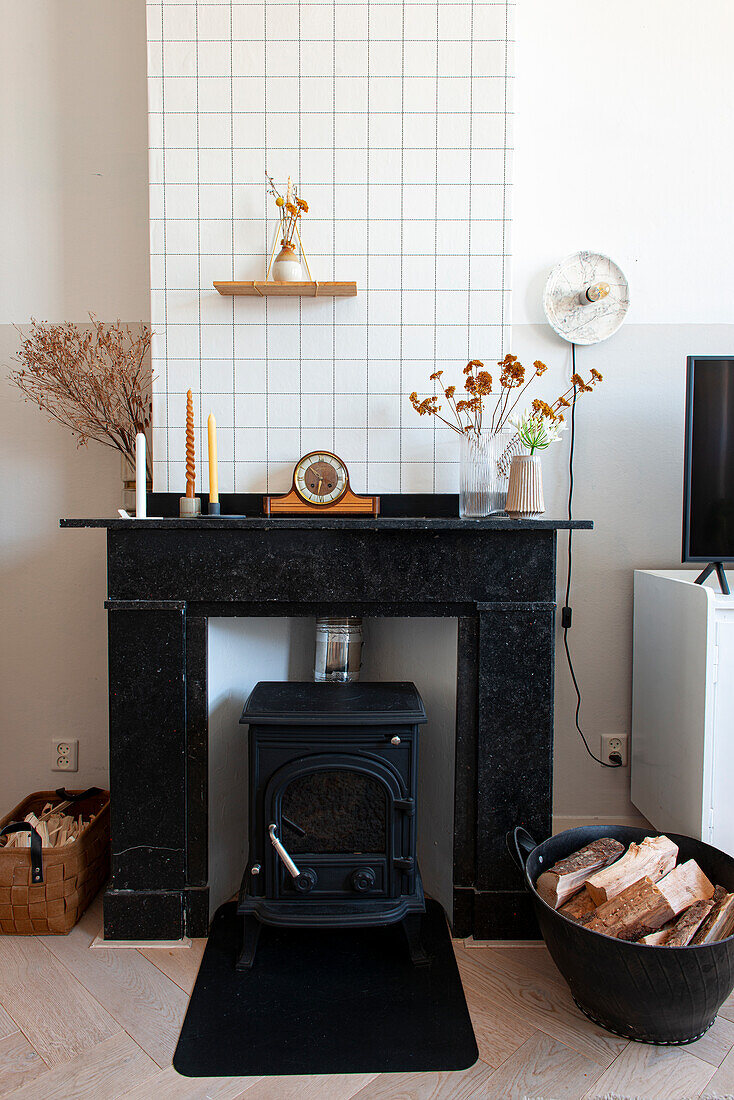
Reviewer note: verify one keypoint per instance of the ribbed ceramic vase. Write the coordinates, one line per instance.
(525, 490)
(287, 266)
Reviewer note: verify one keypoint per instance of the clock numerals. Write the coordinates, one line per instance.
(320, 479)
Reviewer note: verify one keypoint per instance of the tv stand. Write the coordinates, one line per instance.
(718, 568)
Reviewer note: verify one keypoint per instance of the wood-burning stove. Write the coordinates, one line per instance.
(332, 809)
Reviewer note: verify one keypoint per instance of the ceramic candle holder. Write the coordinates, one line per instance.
(189, 506)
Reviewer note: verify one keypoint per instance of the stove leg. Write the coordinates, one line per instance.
(250, 935)
(412, 928)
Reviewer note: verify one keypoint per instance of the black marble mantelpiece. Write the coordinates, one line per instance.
(167, 577)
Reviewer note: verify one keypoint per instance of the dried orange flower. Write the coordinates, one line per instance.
(540, 406)
(466, 415)
(290, 208)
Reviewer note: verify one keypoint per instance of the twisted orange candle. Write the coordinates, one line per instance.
(190, 453)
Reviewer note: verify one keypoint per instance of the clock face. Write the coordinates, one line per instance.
(320, 478)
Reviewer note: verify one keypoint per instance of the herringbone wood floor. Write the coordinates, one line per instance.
(77, 1024)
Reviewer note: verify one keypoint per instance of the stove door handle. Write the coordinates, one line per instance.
(287, 861)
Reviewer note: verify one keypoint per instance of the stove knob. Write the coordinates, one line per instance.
(363, 879)
(306, 881)
(395, 740)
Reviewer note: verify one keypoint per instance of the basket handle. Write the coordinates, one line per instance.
(520, 844)
(64, 794)
(36, 846)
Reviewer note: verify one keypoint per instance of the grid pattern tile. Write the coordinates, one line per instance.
(394, 118)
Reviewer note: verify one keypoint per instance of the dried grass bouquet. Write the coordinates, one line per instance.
(95, 381)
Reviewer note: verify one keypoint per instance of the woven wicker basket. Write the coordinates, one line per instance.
(71, 875)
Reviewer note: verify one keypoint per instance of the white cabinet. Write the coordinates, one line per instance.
(683, 706)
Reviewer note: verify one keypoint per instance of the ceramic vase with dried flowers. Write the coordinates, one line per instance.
(95, 381)
(536, 431)
(490, 437)
(286, 267)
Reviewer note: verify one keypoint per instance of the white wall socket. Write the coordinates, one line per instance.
(65, 755)
(617, 743)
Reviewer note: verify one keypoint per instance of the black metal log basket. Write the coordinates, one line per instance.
(665, 995)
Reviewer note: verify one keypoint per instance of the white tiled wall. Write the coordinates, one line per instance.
(395, 120)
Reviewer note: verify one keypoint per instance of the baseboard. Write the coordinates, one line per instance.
(561, 822)
(139, 945)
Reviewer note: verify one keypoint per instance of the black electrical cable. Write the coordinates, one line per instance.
(566, 612)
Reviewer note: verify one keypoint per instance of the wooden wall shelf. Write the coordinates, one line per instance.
(254, 289)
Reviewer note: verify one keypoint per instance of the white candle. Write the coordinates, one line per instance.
(140, 476)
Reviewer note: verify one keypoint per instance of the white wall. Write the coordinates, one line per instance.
(73, 131)
(73, 226)
(624, 119)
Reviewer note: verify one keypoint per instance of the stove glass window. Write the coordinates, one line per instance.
(334, 811)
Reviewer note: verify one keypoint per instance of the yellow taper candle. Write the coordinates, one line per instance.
(213, 474)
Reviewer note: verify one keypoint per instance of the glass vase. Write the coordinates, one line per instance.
(484, 469)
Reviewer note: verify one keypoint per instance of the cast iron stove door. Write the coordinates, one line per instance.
(340, 825)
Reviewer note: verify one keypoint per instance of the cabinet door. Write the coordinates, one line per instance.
(722, 835)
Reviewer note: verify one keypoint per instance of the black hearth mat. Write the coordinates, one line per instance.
(346, 1001)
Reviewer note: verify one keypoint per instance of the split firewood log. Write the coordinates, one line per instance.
(657, 939)
(688, 924)
(646, 906)
(653, 858)
(720, 921)
(568, 876)
(639, 909)
(579, 908)
(55, 829)
(684, 886)
(55, 809)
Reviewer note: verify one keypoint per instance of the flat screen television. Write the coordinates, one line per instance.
(708, 486)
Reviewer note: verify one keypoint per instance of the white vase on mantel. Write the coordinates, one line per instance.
(525, 489)
(286, 266)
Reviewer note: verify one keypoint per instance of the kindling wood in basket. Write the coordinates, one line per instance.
(45, 889)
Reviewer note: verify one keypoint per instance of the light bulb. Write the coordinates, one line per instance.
(596, 292)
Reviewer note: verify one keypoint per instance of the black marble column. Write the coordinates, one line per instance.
(147, 683)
